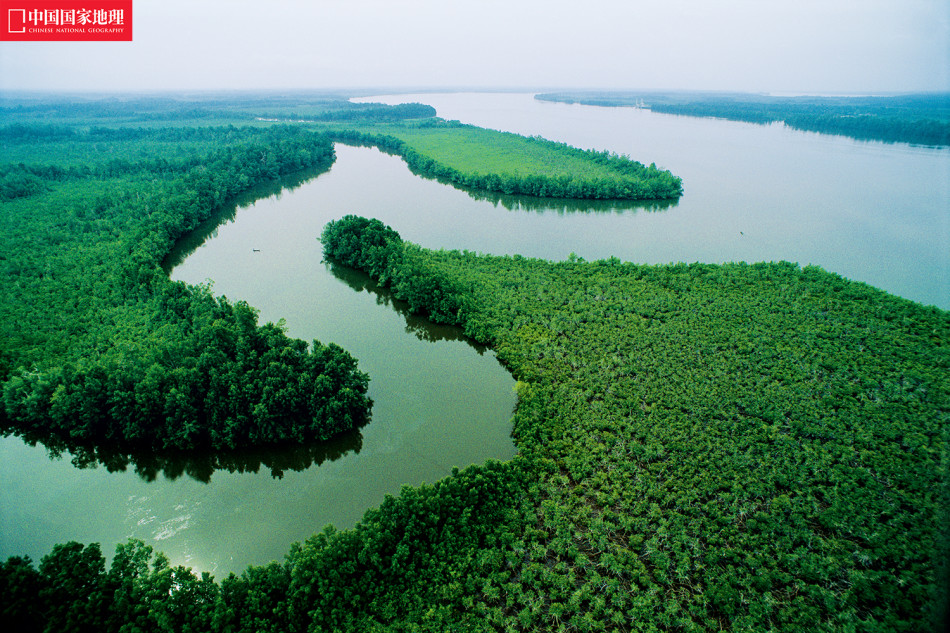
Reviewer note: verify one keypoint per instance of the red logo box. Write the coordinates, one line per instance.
(66, 21)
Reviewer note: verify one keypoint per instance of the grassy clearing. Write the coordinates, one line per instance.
(478, 150)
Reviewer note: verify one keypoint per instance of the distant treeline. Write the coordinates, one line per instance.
(105, 152)
(363, 112)
(157, 110)
(920, 118)
(111, 110)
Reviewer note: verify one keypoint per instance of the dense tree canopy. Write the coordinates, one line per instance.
(755, 447)
(700, 448)
(101, 349)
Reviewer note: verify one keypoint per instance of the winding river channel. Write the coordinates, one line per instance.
(872, 212)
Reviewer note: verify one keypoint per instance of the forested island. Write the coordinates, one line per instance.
(701, 447)
(501, 162)
(922, 119)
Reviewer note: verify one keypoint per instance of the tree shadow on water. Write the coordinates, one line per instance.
(565, 206)
(227, 213)
(417, 325)
(201, 465)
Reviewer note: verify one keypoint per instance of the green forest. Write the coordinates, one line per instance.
(100, 348)
(747, 447)
(922, 119)
(756, 447)
(102, 353)
(501, 162)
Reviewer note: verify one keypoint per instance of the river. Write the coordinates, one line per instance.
(872, 212)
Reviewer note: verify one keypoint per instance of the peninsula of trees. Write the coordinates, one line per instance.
(100, 348)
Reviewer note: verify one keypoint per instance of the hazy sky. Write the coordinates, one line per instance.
(827, 46)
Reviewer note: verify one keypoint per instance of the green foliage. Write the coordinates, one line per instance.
(101, 350)
(60, 117)
(20, 585)
(72, 591)
(742, 447)
(415, 558)
(350, 111)
(360, 243)
(750, 447)
(502, 162)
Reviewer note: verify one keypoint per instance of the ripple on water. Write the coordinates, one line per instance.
(169, 528)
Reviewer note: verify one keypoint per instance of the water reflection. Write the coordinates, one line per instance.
(201, 465)
(562, 206)
(417, 325)
(191, 241)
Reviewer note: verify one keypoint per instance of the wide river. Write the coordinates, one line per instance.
(873, 212)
